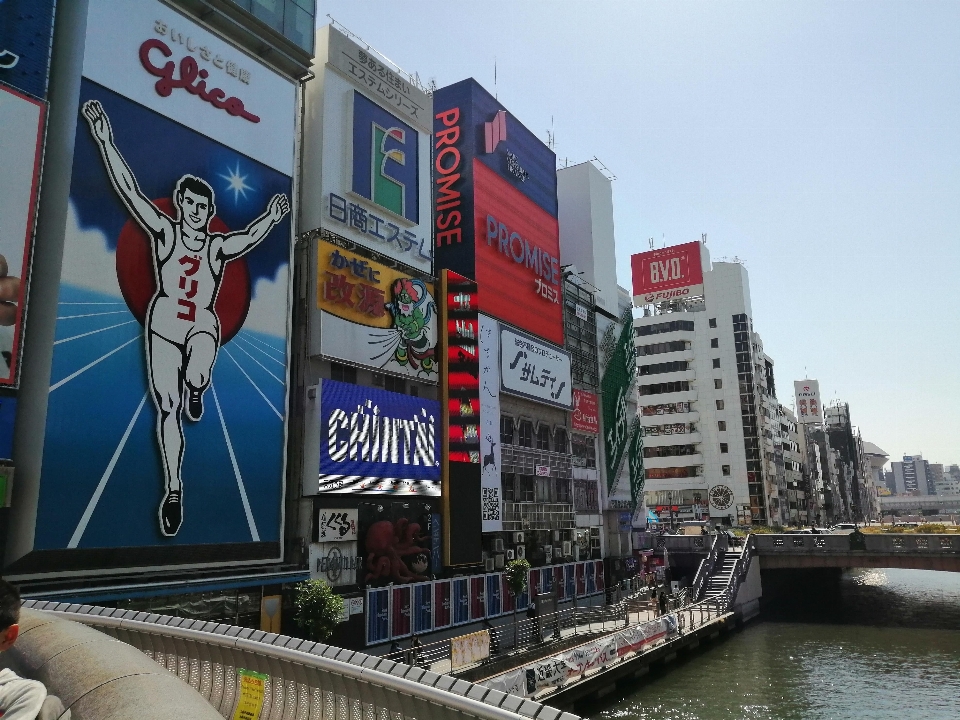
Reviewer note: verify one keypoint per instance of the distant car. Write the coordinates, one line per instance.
(820, 531)
(799, 531)
(845, 526)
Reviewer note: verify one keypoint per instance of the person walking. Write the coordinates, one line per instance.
(663, 603)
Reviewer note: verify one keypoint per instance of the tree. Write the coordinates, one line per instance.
(319, 609)
(517, 571)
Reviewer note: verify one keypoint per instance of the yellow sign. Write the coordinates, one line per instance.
(250, 696)
(375, 315)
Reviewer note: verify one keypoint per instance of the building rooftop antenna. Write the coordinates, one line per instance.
(551, 137)
(651, 243)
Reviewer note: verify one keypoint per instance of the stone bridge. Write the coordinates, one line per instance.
(858, 550)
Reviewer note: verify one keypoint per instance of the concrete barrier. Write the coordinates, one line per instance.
(98, 677)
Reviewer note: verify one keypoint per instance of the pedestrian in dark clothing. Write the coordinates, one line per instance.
(663, 603)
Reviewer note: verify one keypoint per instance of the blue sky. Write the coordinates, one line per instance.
(816, 141)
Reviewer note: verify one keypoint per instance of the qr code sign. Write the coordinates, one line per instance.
(490, 499)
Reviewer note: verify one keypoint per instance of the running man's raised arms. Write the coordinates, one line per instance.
(238, 243)
(120, 174)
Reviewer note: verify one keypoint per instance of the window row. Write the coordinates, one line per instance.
(522, 434)
(584, 451)
(672, 326)
(665, 347)
(669, 473)
(667, 387)
(528, 488)
(678, 366)
(669, 451)
(669, 429)
(666, 409)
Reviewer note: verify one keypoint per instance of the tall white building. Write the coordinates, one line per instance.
(704, 383)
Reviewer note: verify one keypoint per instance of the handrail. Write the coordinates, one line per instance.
(300, 670)
(706, 568)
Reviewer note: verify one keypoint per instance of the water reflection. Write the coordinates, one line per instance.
(889, 648)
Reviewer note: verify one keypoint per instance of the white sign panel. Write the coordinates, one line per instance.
(809, 408)
(337, 525)
(367, 166)
(535, 369)
(153, 55)
(335, 563)
(491, 485)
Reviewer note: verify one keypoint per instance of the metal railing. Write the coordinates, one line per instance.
(706, 568)
(303, 680)
(529, 633)
(538, 516)
(870, 543)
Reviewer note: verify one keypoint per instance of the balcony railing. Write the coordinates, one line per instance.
(538, 516)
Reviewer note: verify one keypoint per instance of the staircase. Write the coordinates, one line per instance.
(720, 578)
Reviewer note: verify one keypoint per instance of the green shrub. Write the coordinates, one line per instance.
(319, 609)
(517, 571)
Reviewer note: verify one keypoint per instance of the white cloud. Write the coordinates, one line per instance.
(87, 261)
(268, 307)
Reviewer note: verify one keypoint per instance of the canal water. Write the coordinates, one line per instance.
(887, 647)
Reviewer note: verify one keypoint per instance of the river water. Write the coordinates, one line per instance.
(886, 648)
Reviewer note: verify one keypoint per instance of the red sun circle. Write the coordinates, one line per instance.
(138, 283)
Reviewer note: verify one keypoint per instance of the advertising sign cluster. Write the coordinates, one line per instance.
(573, 663)
(614, 388)
(374, 441)
(535, 370)
(667, 274)
(809, 408)
(168, 393)
(495, 189)
(374, 315)
(635, 458)
(367, 167)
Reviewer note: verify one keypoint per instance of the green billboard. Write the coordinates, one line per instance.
(614, 388)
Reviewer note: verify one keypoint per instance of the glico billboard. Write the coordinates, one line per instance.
(166, 419)
(667, 274)
(495, 215)
(366, 153)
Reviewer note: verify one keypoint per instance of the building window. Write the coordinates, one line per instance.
(506, 430)
(713, 322)
(543, 437)
(678, 366)
(669, 387)
(562, 492)
(714, 342)
(724, 448)
(518, 488)
(526, 434)
(584, 451)
(543, 489)
(719, 404)
(343, 373)
(560, 440)
(721, 425)
(667, 347)
(725, 469)
(717, 384)
(394, 384)
(672, 326)
(716, 362)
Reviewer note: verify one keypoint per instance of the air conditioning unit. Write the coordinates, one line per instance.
(567, 548)
(510, 554)
(521, 550)
(498, 545)
(518, 538)
(556, 535)
(498, 561)
(488, 565)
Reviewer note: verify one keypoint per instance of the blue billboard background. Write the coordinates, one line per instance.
(368, 435)
(102, 480)
(26, 32)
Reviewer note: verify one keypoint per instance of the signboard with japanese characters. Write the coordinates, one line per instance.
(491, 480)
(336, 563)
(534, 369)
(495, 215)
(809, 409)
(366, 153)
(586, 412)
(373, 315)
(337, 525)
(614, 387)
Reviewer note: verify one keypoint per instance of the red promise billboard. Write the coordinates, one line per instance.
(667, 274)
(518, 257)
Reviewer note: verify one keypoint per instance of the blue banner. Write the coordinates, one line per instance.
(378, 616)
(494, 605)
(460, 601)
(26, 32)
(374, 441)
(422, 608)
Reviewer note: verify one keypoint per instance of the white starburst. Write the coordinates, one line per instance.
(237, 183)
